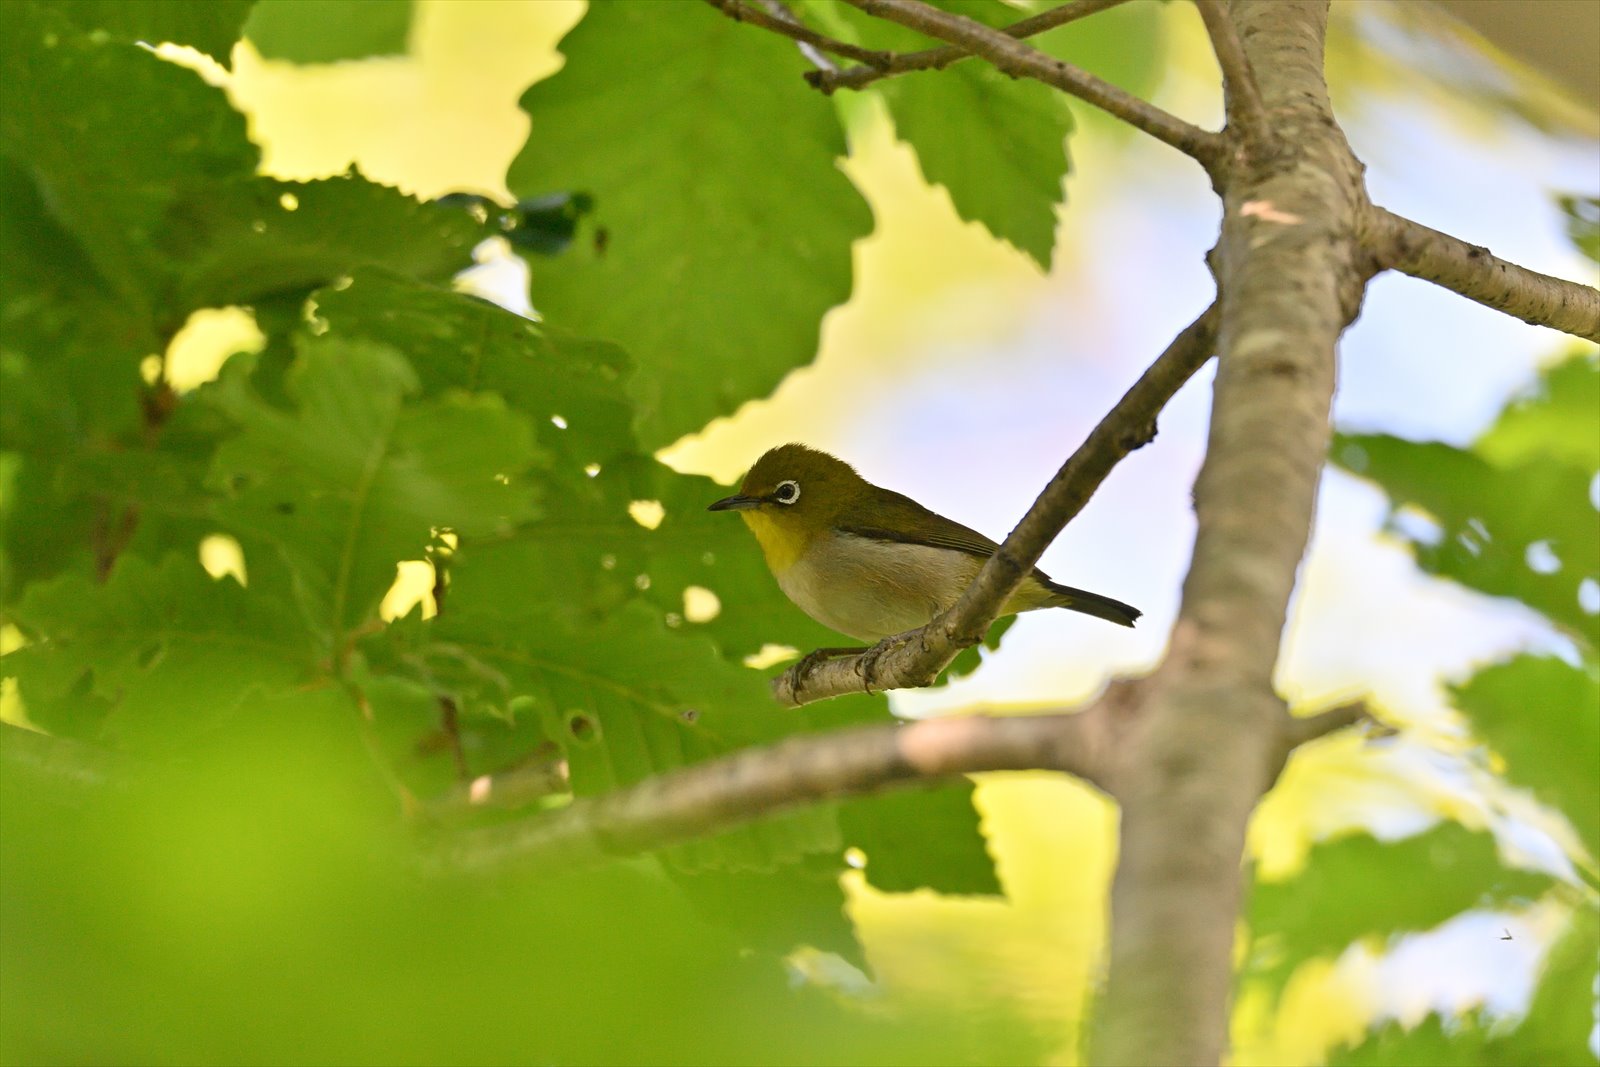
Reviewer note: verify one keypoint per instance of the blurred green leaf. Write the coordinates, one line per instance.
(1557, 419)
(1556, 1030)
(271, 863)
(357, 479)
(1359, 887)
(1496, 525)
(1543, 717)
(212, 26)
(1432, 1041)
(1559, 1026)
(1583, 222)
(712, 166)
(1514, 514)
(328, 31)
(921, 839)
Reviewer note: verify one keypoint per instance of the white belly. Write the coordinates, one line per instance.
(872, 589)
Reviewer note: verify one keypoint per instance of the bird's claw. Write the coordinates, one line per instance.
(867, 665)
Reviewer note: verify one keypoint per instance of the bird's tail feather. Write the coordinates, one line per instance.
(1101, 607)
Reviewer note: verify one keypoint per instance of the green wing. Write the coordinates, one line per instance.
(908, 522)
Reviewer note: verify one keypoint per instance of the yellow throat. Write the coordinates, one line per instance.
(780, 542)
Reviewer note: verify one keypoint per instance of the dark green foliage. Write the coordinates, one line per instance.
(327, 31)
(211, 26)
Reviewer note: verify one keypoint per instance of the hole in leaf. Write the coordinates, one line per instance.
(221, 555)
(700, 604)
(413, 585)
(581, 727)
(647, 513)
(770, 655)
(1542, 558)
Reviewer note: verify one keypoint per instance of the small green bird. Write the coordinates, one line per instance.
(869, 562)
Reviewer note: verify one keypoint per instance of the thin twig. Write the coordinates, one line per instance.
(915, 659)
(1247, 115)
(755, 783)
(1477, 274)
(739, 11)
(1020, 60)
(1301, 730)
(939, 58)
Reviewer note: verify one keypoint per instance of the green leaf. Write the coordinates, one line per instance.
(328, 31)
(1431, 1041)
(357, 478)
(1359, 887)
(921, 839)
(1496, 524)
(1560, 1023)
(624, 697)
(572, 389)
(212, 26)
(1557, 419)
(1543, 717)
(253, 238)
(1556, 1029)
(112, 136)
(997, 144)
(722, 224)
(155, 656)
(776, 911)
(1583, 223)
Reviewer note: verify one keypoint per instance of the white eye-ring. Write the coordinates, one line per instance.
(787, 492)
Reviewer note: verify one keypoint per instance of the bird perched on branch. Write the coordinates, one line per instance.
(869, 562)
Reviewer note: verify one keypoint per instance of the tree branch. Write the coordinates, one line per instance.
(1209, 740)
(939, 58)
(754, 783)
(1305, 729)
(1247, 117)
(915, 659)
(1011, 56)
(739, 11)
(1477, 274)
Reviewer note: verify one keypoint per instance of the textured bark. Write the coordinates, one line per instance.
(1207, 745)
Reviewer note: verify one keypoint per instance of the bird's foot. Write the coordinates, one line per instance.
(867, 665)
(812, 660)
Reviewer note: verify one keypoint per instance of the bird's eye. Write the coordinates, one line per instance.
(787, 492)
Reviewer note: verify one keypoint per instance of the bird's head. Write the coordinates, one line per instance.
(793, 494)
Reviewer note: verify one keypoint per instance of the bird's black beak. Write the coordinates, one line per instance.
(736, 503)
